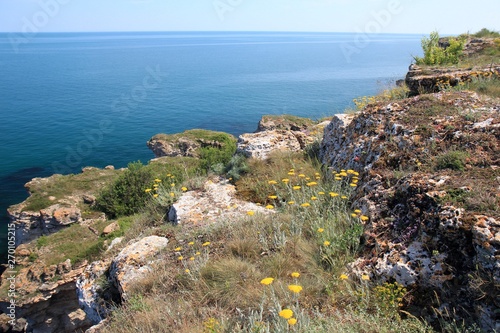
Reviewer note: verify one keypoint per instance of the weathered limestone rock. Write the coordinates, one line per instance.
(132, 263)
(215, 202)
(111, 228)
(31, 225)
(279, 133)
(260, 144)
(54, 306)
(430, 80)
(90, 291)
(416, 234)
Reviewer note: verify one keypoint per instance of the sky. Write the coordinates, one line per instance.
(369, 16)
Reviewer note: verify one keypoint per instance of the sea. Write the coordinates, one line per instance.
(70, 100)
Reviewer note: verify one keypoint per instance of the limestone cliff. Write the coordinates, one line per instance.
(431, 175)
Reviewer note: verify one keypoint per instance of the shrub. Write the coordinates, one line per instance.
(454, 159)
(486, 33)
(237, 167)
(436, 55)
(212, 155)
(125, 196)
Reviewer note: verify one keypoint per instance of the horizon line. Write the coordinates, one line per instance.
(219, 31)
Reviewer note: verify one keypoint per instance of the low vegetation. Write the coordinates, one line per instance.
(434, 54)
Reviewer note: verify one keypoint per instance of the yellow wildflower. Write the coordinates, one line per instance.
(343, 277)
(172, 194)
(155, 195)
(172, 185)
(272, 182)
(158, 180)
(297, 187)
(295, 274)
(354, 215)
(250, 213)
(291, 202)
(286, 313)
(302, 175)
(326, 243)
(320, 230)
(178, 249)
(314, 198)
(295, 288)
(197, 253)
(363, 218)
(357, 211)
(187, 270)
(312, 184)
(180, 258)
(191, 243)
(147, 190)
(365, 277)
(269, 206)
(184, 189)
(338, 178)
(321, 193)
(292, 321)
(353, 185)
(343, 174)
(306, 204)
(285, 180)
(205, 244)
(273, 197)
(191, 258)
(267, 281)
(344, 197)
(333, 194)
(291, 173)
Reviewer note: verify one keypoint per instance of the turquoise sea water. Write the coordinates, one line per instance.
(92, 99)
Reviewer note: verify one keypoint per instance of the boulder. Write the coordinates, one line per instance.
(111, 228)
(133, 262)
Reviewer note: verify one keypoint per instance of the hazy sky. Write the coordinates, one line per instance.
(389, 16)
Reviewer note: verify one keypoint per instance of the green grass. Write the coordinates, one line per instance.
(59, 186)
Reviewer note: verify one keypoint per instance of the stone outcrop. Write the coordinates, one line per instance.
(429, 227)
(31, 225)
(188, 143)
(54, 305)
(215, 202)
(430, 79)
(279, 133)
(133, 262)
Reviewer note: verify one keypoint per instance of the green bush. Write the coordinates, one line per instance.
(436, 55)
(212, 155)
(454, 159)
(486, 33)
(125, 196)
(237, 167)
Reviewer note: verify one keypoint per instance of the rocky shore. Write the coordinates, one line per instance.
(429, 180)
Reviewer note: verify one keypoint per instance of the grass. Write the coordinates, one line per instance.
(59, 186)
(453, 159)
(210, 278)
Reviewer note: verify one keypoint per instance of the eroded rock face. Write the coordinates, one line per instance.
(417, 235)
(31, 225)
(133, 262)
(89, 290)
(279, 133)
(54, 306)
(430, 80)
